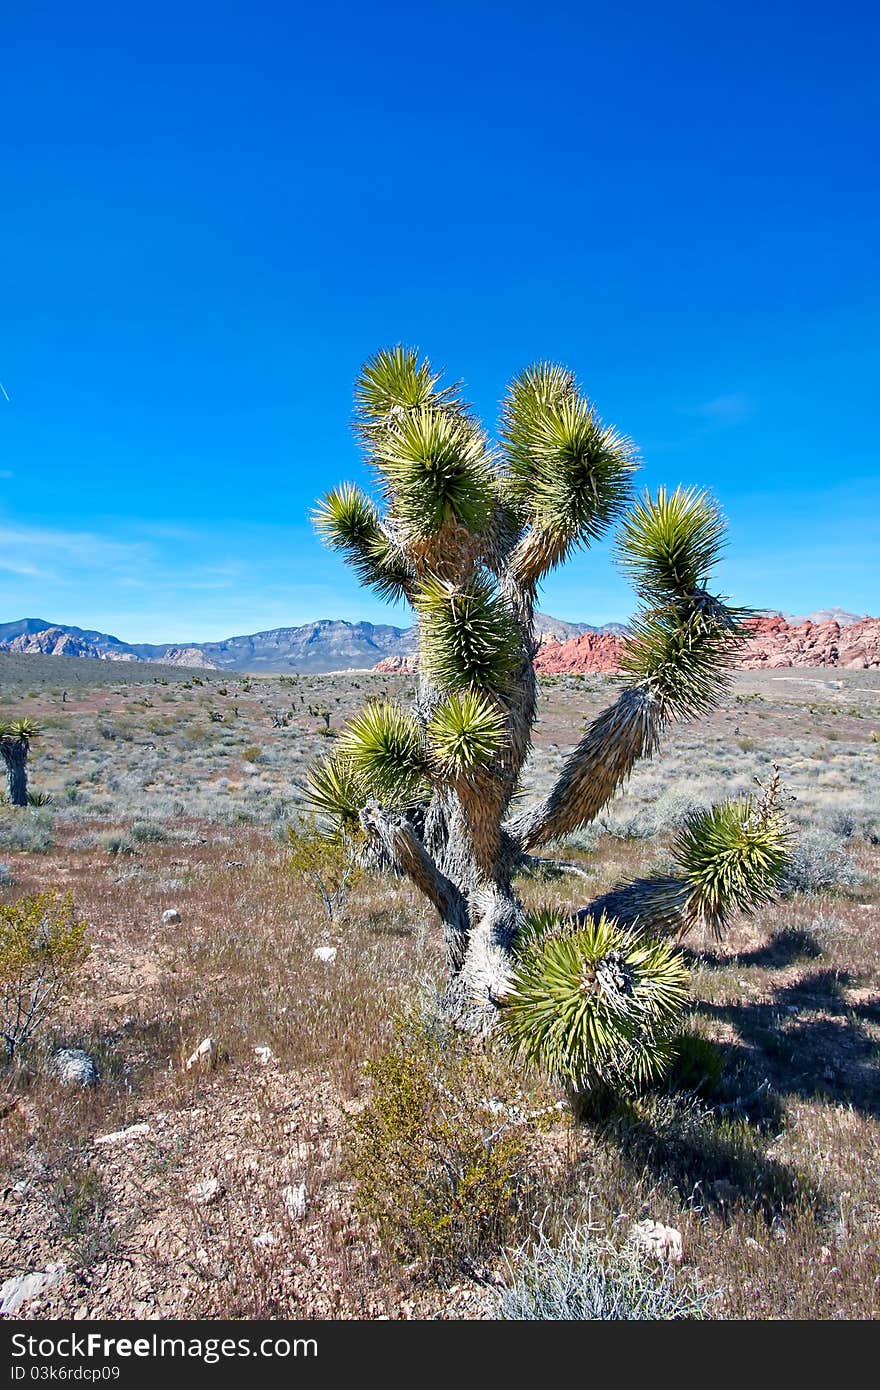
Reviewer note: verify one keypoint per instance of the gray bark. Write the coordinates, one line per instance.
(15, 753)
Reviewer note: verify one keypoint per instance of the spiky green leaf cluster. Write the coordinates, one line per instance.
(466, 732)
(733, 856)
(386, 750)
(684, 639)
(22, 730)
(436, 466)
(683, 652)
(335, 791)
(669, 543)
(468, 635)
(347, 520)
(594, 1004)
(394, 381)
(538, 391)
(569, 475)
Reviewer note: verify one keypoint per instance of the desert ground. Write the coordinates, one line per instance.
(236, 1192)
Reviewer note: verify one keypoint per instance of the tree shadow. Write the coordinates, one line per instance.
(808, 1040)
(805, 1039)
(716, 1160)
(785, 947)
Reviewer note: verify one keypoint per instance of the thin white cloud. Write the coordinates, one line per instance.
(28, 571)
(71, 545)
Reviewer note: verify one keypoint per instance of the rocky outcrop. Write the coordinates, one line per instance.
(52, 641)
(188, 656)
(774, 642)
(592, 651)
(398, 665)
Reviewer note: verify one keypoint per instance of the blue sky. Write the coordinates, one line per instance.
(214, 213)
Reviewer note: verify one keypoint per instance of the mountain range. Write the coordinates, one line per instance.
(326, 645)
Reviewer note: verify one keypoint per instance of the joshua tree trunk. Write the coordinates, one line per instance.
(466, 536)
(15, 752)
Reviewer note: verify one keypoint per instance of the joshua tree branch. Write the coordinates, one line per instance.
(658, 906)
(625, 732)
(410, 857)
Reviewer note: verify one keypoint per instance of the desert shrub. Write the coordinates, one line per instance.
(116, 843)
(148, 832)
(327, 864)
(39, 798)
(855, 823)
(42, 945)
(251, 753)
(80, 1200)
(634, 823)
(442, 1174)
(820, 864)
(26, 829)
(586, 1279)
(5, 874)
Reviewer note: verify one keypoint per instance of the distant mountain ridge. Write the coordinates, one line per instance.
(325, 645)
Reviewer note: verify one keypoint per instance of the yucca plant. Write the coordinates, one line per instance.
(464, 530)
(592, 1003)
(15, 744)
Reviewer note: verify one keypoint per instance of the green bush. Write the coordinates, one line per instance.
(437, 1167)
(593, 1004)
(327, 864)
(42, 945)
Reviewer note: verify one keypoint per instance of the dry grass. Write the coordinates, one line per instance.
(771, 1177)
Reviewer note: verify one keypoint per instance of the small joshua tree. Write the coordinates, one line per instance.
(15, 743)
(464, 532)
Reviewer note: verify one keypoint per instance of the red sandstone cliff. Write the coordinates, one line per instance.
(774, 643)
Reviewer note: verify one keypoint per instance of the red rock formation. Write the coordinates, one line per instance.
(776, 643)
(773, 643)
(398, 665)
(593, 651)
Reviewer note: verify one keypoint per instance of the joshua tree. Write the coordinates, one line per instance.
(464, 532)
(15, 743)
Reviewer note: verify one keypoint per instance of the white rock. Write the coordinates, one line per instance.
(119, 1136)
(170, 917)
(23, 1287)
(211, 1190)
(663, 1242)
(73, 1066)
(265, 1239)
(325, 953)
(295, 1201)
(263, 1054)
(205, 1055)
